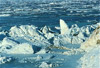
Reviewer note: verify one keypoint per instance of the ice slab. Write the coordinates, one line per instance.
(10, 46)
(45, 65)
(63, 27)
(24, 30)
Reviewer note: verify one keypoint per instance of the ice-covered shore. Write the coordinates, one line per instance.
(74, 40)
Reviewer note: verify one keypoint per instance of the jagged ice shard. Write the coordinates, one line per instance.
(63, 27)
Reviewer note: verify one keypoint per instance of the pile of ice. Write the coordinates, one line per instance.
(25, 39)
(73, 35)
(29, 33)
(29, 39)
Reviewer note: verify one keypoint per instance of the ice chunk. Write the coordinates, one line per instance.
(45, 65)
(74, 30)
(45, 29)
(87, 31)
(10, 46)
(81, 35)
(47, 32)
(14, 31)
(5, 59)
(7, 44)
(49, 35)
(24, 30)
(23, 48)
(63, 27)
(62, 40)
(58, 28)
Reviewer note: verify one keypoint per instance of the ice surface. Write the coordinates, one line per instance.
(91, 59)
